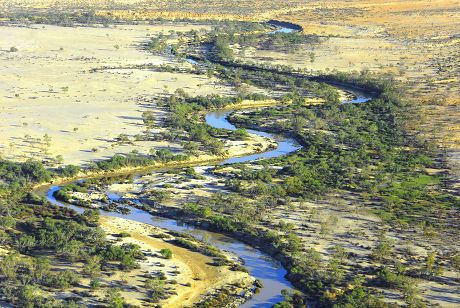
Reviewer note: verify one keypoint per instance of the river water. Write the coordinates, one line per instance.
(261, 266)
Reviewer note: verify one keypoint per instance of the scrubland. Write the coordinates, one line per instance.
(365, 214)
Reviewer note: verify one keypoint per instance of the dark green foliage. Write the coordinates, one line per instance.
(64, 193)
(68, 171)
(63, 280)
(366, 149)
(126, 254)
(222, 223)
(19, 174)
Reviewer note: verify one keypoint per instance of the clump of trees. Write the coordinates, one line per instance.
(366, 148)
(19, 174)
(36, 232)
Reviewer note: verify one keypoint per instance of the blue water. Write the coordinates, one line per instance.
(269, 271)
(191, 61)
(219, 119)
(358, 97)
(282, 30)
(261, 266)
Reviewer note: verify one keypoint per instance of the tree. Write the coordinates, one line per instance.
(92, 216)
(63, 279)
(149, 119)
(114, 299)
(7, 221)
(41, 268)
(59, 159)
(383, 250)
(26, 296)
(47, 143)
(71, 249)
(123, 138)
(215, 146)
(69, 170)
(191, 148)
(156, 288)
(93, 267)
(241, 133)
(94, 284)
(222, 48)
(25, 242)
(431, 268)
(8, 265)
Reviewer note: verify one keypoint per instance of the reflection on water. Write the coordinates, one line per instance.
(191, 61)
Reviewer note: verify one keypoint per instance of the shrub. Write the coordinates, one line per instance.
(63, 280)
(166, 253)
(68, 171)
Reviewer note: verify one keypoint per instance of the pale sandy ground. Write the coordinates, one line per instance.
(344, 220)
(334, 53)
(365, 59)
(183, 187)
(192, 265)
(185, 267)
(46, 90)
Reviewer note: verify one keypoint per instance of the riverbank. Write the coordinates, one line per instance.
(253, 144)
(196, 276)
(258, 241)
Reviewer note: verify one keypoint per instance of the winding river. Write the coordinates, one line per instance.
(260, 265)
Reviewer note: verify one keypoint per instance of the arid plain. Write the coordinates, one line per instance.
(84, 82)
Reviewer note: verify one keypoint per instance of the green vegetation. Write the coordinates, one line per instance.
(186, 123)
(360, 147)
(37, 234)
(15, 175)
(365, 149)
(166, 253)
(119, 161)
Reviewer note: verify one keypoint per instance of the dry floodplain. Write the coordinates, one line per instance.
(343, 219)
(67, 95)
(53, 104)
(61, 102)
(192, 271)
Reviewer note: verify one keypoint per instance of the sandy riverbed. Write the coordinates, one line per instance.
(194, 267)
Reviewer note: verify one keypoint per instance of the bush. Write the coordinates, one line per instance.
(68, 171)
(63, 280)
(7, 221)
(393, 280)
(114, 299)
(124, 234)
(166, 253)
(94, 284)
(18, 174)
